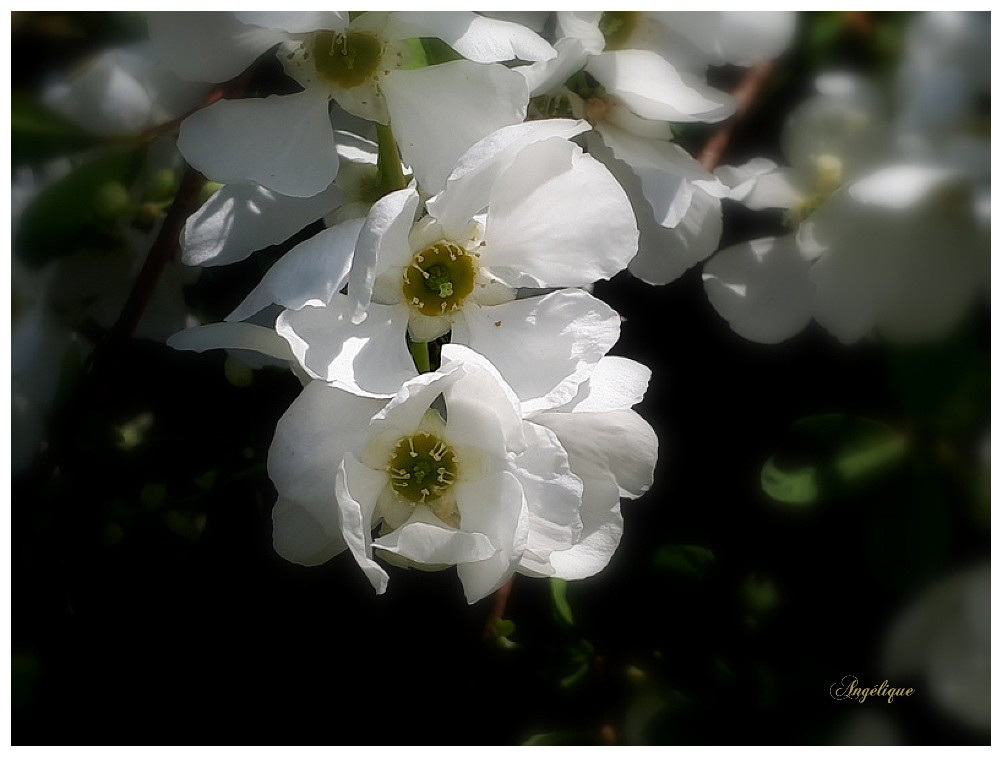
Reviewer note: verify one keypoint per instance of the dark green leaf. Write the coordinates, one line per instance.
(66, 215)
(558, 589)
(684, 559)
(825, 455)
(38, 133)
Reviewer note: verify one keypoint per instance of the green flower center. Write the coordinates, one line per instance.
(616, 27)
(439, 279)
(827, 179)
(346, 59)
(422, 468)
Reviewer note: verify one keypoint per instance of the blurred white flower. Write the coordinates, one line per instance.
(450, 473)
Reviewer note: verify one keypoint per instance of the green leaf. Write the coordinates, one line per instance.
(827, 455)
(558, 590)
(684, 559)
(67, 214)
(38, 133)
(436, 51)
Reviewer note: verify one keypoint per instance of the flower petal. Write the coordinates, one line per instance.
(318, 429)
(477, 38)
(620, 443)
(358, 488)
(741, 38)
(242, 218)
(438, 112)
(232, 336)
(601, 532)
(296, 22)
(311, 273)
(543, 346)
(558, 218)
(616, 383)
(553, 497)
(426, 540)
(382, 244)
(548, 75)
(653, 88)
(495, 506)
(468, 189)
(369, 358)
(761, 288)
(207, 46)
(759, 184)
(283, 142)
(307, 536)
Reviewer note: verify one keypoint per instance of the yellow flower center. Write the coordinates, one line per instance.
(616, 27)
(347, 60)
(422, 468)
(827, 178)
(439, 279)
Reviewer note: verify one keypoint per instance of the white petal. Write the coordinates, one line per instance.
(548, 75)
(740, 38)
(370, 358)
(311, 273)
(665, 171)
(761, 288)
(283, 142)
(307, 536)
(425, 539)
(601, 532)
(543, 346)
(494, 506)
(553, 497)
(242, 218)
(317, 430)
(438, 112)
(652, 88)
(760, 184)
(901, 186)
(296, 22)
(620, 443)
(468, 190)
(616, 383)
(382, 244)
(207, 46)
(477, 38)
(405, 412)
(582, 26)
(232, 336)
(558, 218)
(358, 488)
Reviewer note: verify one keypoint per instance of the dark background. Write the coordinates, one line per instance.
(149, 606)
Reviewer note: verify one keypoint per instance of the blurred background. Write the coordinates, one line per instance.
(819, 510)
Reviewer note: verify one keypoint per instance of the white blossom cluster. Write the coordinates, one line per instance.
(475, 174)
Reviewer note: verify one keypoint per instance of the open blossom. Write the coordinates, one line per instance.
(285, 142)
(449, 472)
(554, 218)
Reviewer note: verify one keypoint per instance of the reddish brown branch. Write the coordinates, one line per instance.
(744, 95)
(497, 612)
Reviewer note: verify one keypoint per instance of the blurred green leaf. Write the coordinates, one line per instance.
(38, 133)
(825, 455)
(65, 215)
(558, 590)
(436, 51)
(684, 559)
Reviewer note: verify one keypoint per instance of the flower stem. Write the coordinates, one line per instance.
(419, 351)
(744, 95)
(391, 175)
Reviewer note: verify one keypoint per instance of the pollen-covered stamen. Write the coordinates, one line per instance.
(422, 468)
(828, 171)
(439, 279)
(347, 60)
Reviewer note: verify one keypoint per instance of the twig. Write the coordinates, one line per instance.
(744, 95)
(497, 612)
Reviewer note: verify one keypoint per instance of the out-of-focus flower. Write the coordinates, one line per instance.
(450, 473)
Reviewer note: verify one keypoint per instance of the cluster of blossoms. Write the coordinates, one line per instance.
(475, 174)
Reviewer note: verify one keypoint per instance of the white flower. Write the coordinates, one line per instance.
(450, 473)
(555, 218)
(898, 248)
(285, 143)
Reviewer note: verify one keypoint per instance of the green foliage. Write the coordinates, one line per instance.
(824, 456)
(38, 133)
(68, 214)
(684, 559)
(562, 608)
